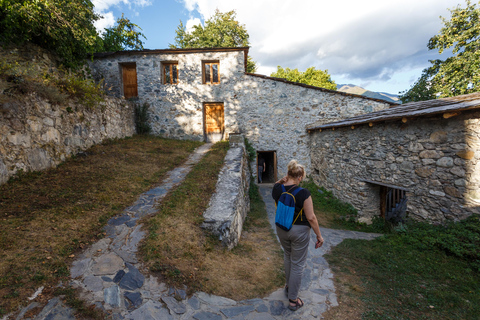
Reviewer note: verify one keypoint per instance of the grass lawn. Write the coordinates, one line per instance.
(425, 272)
(47, 217)
(182, 253)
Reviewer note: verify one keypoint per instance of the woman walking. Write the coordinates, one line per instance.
(295, 241)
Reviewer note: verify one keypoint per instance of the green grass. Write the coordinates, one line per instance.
(335, 214)
(423, 272)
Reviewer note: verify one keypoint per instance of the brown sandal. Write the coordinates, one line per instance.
(298, 304)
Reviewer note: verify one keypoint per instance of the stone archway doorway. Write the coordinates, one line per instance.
(270, 174)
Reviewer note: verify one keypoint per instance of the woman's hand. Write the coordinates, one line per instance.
(283, 180)
(319, 242)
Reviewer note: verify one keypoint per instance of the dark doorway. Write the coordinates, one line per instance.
(270, 174)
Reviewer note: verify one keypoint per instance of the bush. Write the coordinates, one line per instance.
(252, 154)
(141, 118)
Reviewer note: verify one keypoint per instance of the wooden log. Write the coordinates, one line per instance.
(447, 115)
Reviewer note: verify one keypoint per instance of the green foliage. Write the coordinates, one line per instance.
(458, 74)
(63, 27)
(122, 36)
(312, 77)
(324, 200)
(460, 239)
(85, 90)
(141, 118)
(252, 153)
(400, 279)
(56, 87)
(220, 31)
(422, 90)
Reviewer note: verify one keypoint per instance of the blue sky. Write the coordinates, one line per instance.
(380, 45)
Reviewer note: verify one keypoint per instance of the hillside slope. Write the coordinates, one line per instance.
(353, 89)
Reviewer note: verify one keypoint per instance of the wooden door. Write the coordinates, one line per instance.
(214, 121)
(129, 72)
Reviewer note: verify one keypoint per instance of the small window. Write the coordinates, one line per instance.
(211, 72)
(170, 72)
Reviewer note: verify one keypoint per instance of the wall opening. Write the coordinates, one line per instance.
(393, 200)
(270, 173)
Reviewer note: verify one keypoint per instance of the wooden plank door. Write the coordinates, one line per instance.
(129, 72)
(214, 121)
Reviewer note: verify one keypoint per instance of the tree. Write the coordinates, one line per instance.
(220, 31)
(423, 89)
(458, 74)
(61, 26)
(122, 36)
(311, 76)
(64, 27)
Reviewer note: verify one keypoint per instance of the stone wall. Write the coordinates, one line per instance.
(436, 159)
(35, 135)
(230, 204)
(271, 113)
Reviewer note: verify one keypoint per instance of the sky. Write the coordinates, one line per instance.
(380, 45)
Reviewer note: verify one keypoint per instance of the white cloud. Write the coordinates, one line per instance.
(191, 23)
(370, 40)
(107, 21)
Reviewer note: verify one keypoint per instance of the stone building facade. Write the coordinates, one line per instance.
(271, 113)
(429, 149)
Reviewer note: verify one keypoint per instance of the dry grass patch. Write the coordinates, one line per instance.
(182, 253)
(47, 217)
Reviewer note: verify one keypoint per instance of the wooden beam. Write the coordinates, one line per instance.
(447, 115)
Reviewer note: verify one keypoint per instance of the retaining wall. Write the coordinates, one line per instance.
(230, 204)
(36, 135)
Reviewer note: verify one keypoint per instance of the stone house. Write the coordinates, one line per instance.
(205, 94)
(422, 155)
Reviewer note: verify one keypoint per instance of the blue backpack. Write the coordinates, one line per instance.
(286, 209)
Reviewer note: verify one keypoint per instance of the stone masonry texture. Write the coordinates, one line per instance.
(36, 135)
(434, 158)
(230, 203)
(271, 114)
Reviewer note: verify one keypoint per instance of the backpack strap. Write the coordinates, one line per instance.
(294, 193)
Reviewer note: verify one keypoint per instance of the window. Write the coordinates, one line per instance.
(170, 72)
(211, 72)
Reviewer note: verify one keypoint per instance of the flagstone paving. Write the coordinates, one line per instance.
(109, 273)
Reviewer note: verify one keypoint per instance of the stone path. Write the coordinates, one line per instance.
(109, 273)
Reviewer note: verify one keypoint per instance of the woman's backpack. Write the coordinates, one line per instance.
(286, 209)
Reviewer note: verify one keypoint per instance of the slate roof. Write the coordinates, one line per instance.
(446, 106)
(169, 51)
